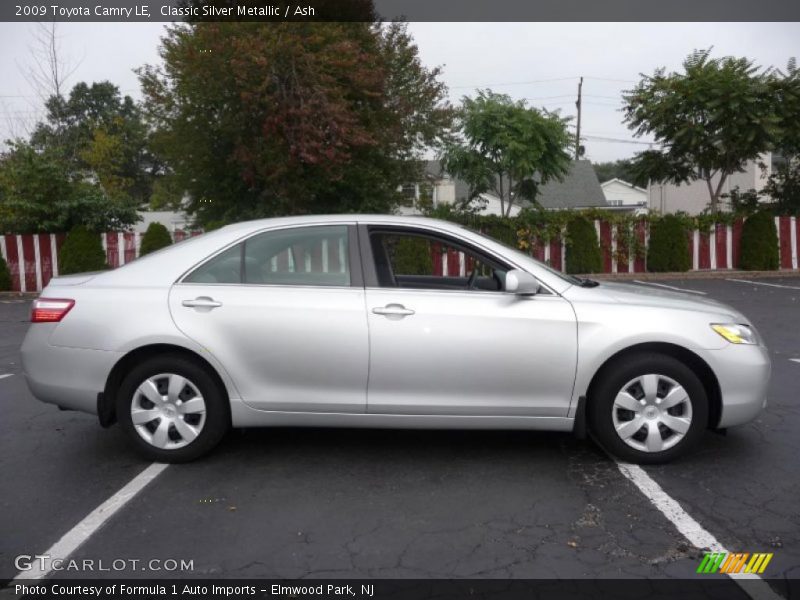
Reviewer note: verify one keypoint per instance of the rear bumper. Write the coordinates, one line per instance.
(743, 372)
(68, 377)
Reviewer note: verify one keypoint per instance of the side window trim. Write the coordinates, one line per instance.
(354, 256)
(368, 258)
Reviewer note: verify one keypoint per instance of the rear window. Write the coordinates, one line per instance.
(307, 256)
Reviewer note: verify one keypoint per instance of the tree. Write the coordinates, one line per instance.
(81, 252)
(783, 185)
(265, 119)
(710, 120)
(507, 148)
(785, 90)
(49, 70)
(39, 194)
(156, 237)
(86, 163)
(102, 136)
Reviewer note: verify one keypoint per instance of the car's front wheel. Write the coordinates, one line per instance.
(172, 409)
(651, 408)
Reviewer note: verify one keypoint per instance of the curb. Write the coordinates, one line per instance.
(694, 275)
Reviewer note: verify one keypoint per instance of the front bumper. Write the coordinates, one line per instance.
(743, 372)
(68, 377)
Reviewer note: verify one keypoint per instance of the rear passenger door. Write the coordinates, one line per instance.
(283, 311)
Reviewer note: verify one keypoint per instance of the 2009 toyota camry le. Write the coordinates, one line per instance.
(385, 321)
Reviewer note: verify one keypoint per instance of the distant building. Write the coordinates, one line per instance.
(580, 189)
(173, 221)
(625, 197)
(694, 198)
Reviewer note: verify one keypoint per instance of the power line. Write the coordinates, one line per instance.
(614, 80)
(533, 81)
(599, 138)
(489, 85)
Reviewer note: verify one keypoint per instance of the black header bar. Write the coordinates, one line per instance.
(409, 10)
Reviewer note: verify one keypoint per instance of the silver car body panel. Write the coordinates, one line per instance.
(294, 355)
(288, 348)
(471, 353)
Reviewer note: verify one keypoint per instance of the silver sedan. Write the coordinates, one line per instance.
(383, 321)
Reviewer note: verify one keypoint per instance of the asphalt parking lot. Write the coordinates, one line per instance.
(381, 504)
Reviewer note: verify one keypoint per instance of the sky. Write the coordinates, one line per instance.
(539, 62)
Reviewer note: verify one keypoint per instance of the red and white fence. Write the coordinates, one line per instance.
(33, 259)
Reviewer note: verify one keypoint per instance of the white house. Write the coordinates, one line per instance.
(694, 198)
(623, 196)
(580, 189)
(173, 221)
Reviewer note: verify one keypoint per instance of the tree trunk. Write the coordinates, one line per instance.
(715, 193)
(502, 196)
(510, 202)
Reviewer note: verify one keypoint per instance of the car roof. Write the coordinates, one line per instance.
(257, 224)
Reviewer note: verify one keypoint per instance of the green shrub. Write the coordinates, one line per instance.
(411, 255)
(669, 247)
(156, 237)
(81, 252)
(5, 276)
(583, 248)
(759, 249)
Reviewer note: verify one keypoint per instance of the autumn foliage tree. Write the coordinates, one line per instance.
(263, 119)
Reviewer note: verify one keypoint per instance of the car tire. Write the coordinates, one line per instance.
(636, 411)
(172, 409)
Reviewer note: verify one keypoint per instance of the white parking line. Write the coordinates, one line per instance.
(777, 285)
(752, 584)
(76, 536)
(6, 375)
(671, 287)
(797, 360)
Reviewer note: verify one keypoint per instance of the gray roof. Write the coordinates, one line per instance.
(580, 188)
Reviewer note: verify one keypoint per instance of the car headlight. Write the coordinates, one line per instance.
(736, 333)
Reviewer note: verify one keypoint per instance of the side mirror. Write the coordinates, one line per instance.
(522, 283)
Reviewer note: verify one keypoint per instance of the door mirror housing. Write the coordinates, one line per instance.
(522, 283)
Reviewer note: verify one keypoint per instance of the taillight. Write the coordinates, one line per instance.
(50, 310)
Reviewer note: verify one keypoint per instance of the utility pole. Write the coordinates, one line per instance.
(578, 132)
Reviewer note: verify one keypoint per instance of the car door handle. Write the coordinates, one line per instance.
(201, 302)
(393, 310)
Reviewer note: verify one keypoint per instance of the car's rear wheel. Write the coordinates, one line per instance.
(649, 408)
(172, 409)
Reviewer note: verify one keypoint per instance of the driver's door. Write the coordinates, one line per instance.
(446, 339)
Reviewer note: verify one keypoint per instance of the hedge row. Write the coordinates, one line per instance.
(5, 276)
(669, 234)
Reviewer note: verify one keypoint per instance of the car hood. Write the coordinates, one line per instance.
(642, 295)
